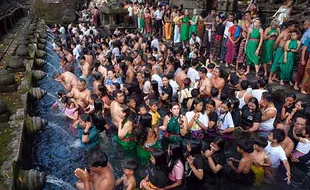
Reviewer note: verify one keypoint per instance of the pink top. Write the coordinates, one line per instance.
(70, 112)
(177, 172)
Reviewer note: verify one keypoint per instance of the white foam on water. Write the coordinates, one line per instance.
(59, 182)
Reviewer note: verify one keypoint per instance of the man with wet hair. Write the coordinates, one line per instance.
(67, 79)
(119, 97)
(81, 94)
(98, 176)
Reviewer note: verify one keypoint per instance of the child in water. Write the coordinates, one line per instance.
(245, 175)
(71, 110)
(303, 146)
(260, 159)
(128, 180)
(57, 103)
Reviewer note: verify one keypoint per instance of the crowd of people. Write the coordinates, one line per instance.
(170, 108)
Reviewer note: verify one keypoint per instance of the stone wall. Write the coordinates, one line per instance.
(57, 11)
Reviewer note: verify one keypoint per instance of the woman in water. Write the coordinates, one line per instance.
(251, 116)
(175, 125)
(157, 173)
(124, 135)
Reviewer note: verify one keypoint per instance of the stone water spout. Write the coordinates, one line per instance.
(31, 180)
(40, 62)
(40, 53)
(42, 40)
(37, 93)
(41, 46)
(38, 74)
(36, 124)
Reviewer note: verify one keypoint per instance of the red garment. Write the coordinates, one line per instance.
(232, 31)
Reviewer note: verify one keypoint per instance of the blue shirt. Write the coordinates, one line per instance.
(110, 82)
(307, 44)
(93, 137)
(305, 36)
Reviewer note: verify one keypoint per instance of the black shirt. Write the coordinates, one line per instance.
(157, 177)
(219, 29)
(199, 164)
(235, 114)
(218, 158)
(249, 118)
(167, 90)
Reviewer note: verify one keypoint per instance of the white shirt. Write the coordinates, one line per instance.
(154, 43)
(202, 118)
(62, 30)
(209, 75)
(268, 124)
(129, 11)
(159, 81)
(303, 147)
(227, 26)
(158, 15)
(276, 154)
(258, 93)
(197, 40)
(76, 53)
(193, 75)
(225, 120)
(174, 86)
(116, 52)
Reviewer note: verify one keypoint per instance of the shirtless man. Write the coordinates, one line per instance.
(85, 67)
(80, 94)
(205, 84)
(68, 55)
(244, 168)
(67, 79)
(179, 78)
(89, 58)
(99, 176)
(287, 144)
(130, 74)
(217, 80)
(116, 106)
(279, 46)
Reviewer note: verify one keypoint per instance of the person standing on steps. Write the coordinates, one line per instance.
(253, 46)
(279, 46)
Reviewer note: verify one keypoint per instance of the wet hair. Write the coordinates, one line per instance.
(98, 105)
(177, 154)
(195, 62)
(203, 70)
(227, 103)
(97, 76)
(211, 66)
(260, 141)
(82, 81)
(195, 102)
(278, 134)
(85, 117)
(262, 82)
(245, 145)
(98, 159)
(307, 129)
(154, 85)
(244, 84)
(56, 74)
(141, 131)
(117, 85)
(126, 110)
(115, 92)
(254, 101)
(187, 82)
(61, 93)
(211, 102)
(94, 97)
(220, 142)
(267, 96)
(102, 89)
(291, 95)
(160, 159)
(195, 93)
(196, 146)
(131, 164)
(235, 102)
(214, 92)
